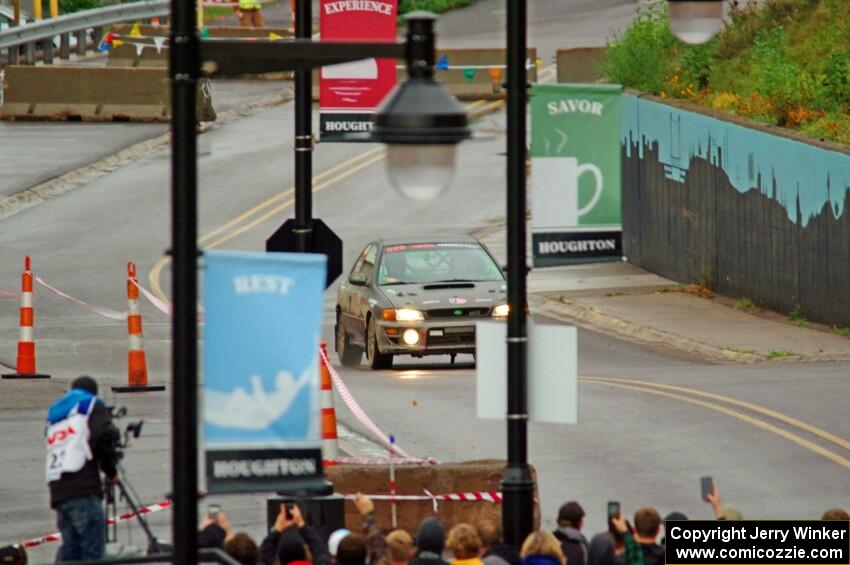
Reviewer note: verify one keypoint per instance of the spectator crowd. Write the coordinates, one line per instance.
(292, 541)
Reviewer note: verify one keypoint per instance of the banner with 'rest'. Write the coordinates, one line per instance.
(349, 93)
(575, 173)
(261, 411)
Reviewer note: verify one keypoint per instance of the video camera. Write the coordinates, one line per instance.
(131, 431)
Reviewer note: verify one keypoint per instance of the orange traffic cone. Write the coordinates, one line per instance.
(25, 368)
(137, 368)
(330, 442)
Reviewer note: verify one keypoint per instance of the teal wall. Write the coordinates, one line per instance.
(752, 159)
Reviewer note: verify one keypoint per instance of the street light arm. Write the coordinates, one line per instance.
(237, 57)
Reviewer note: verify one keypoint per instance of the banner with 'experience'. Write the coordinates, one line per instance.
(575, 173)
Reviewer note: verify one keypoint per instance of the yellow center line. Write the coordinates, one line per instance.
(290, 202)
(814, 430)
(284, 194)
(834, 457)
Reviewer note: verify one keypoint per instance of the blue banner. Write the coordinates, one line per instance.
(263, 314)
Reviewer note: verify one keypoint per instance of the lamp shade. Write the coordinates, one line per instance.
(695, 21)
(420, 122)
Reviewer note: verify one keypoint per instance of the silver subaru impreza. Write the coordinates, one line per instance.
(417, 296)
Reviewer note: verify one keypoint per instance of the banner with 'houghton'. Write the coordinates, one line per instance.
(575, 173)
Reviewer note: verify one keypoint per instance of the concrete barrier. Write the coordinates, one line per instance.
(446, 478)
(481, 85)
(580, 64)
(92, 94)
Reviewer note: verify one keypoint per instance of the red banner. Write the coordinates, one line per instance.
(350, 92)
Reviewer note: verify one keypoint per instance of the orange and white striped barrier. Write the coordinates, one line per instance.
(330, 441)
(137, 368)
(144, 511)
(25, 368)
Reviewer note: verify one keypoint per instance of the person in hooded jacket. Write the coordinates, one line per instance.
(292, 542)
(542, 548)
(573, 543)
(430, 541)
(493, 550)
(81, 441)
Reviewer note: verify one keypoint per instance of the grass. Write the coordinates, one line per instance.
(771, 355)
(436, 6)
(842, 331)
(745, 304)
(614, 294)
(798, 317)
(784, 63)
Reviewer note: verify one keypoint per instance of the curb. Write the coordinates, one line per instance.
(18, 202)
(596, 320)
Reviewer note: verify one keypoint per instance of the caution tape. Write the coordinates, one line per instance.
(105, 312)
(494, 497)
(8, 294)
(164, 505)
(361, 415)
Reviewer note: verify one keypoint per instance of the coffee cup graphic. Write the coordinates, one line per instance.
(556, 182)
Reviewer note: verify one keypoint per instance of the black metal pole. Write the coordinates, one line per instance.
(184, 71)
(517, 484)
(304, 136)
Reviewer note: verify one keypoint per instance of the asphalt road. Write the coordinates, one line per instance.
(636, 443)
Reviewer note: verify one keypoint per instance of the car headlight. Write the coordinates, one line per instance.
(501, 311)
(408, 315)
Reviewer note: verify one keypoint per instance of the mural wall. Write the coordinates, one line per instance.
(760, 215)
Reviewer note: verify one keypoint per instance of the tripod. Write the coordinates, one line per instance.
(128, 493)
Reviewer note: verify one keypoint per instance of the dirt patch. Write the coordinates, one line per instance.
(473, 476)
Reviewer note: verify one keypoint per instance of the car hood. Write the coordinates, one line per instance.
(446, 295)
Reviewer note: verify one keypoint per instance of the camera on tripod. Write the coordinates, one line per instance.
(131, 431)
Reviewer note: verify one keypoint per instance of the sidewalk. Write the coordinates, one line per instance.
(620, 299)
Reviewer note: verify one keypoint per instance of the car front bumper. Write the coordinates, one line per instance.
(436, 337)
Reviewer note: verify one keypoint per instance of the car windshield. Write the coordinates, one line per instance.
(423, 263)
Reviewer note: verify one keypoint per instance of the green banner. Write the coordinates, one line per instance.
(575, 173)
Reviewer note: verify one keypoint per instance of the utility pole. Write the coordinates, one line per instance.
(303, 229)
(184, 68)
(517, 484)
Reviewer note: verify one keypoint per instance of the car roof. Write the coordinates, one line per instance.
(426, 239)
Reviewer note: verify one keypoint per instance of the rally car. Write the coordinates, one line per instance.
(417, 296)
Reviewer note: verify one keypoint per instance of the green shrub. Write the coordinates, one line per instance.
(638, 58)
(68, 6)
(782, 62)
(436, 6)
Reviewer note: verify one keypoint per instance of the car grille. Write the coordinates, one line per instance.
(457, 313)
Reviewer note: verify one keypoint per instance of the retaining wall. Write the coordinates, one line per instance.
(758, 211)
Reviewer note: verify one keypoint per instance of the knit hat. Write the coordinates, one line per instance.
(334, 539)
(571, 512)
(729, 513)
(675, 516)
(431, 536)
(85, 382)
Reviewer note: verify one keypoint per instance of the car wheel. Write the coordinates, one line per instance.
(377, 360)
(348, 353)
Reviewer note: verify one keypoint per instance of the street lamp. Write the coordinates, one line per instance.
(419, 121)
(695, 21)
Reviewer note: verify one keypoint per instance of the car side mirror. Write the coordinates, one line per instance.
(357, 278)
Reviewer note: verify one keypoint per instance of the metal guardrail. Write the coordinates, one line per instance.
(40, 34)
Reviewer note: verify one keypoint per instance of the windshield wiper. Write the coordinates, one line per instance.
(456, 280)
(395, 283)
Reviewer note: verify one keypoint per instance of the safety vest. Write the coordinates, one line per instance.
(67, 442)
(249, 5)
